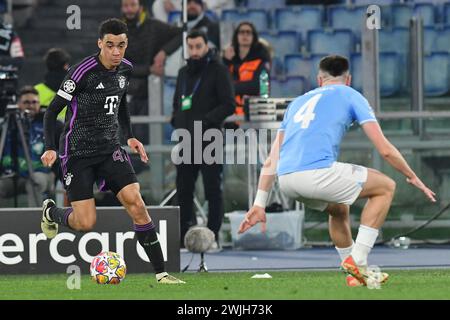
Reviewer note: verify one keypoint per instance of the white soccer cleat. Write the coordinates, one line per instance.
(168, 279)
(48, 227)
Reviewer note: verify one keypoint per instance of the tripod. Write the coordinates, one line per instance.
(12, 122)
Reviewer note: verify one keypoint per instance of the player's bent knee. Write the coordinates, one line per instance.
(391, 185)
(86, 225)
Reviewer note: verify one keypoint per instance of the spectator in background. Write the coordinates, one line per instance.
(247, 59)
(217, 6)
(196, 20)
(204, 92)
(11, 50)
(57, 62)
(162, 8)
(44, 178)
(149, 42)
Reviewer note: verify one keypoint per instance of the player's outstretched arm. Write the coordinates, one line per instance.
(391, 154)
(257, 213)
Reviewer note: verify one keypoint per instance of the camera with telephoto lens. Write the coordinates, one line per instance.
(8, 89)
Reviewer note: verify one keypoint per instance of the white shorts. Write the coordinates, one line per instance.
(341, 183)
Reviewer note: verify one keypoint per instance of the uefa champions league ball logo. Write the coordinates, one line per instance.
(69, 86)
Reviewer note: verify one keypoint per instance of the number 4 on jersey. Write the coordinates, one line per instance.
(306, 113)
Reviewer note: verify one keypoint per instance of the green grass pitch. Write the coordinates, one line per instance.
(289, 285)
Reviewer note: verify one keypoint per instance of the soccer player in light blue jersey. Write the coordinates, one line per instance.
(304, 157)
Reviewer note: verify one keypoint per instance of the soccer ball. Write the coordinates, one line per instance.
(108, 268)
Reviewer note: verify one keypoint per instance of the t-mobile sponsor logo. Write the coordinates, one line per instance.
(111, 103)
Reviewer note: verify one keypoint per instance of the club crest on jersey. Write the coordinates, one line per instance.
(122, 82)
(68, 178)
(69, 86)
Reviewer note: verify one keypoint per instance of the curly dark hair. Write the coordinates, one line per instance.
(112, 26)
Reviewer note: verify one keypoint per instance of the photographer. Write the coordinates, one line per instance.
(33, 121)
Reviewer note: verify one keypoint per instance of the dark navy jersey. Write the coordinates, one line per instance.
(95, 97)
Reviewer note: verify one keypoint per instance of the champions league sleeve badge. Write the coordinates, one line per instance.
(69, 86)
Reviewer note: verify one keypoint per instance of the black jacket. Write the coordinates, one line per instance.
(212, 102)
(146, 38)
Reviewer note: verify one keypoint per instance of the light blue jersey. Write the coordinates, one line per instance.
(315, 123)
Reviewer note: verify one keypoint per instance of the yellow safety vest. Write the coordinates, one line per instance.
(46, 96)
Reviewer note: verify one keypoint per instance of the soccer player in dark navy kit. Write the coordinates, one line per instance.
(89, 148)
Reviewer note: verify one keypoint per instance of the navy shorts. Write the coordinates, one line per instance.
(110, 172)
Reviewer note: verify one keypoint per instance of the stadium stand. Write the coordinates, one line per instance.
(297, 65)
(377, 2)
(389, 76)
(437, 77)
(400, 15)
(427, 12)
(258, 17)
(447, 13)
(301, 19)
(356, 71)
(396, 40)
(330, 42)
(436, 39)
(287, 88)
(340, 15)
(175, 16)
(283, 43)
(264, 4)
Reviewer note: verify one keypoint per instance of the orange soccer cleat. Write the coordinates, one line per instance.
(360, 273)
